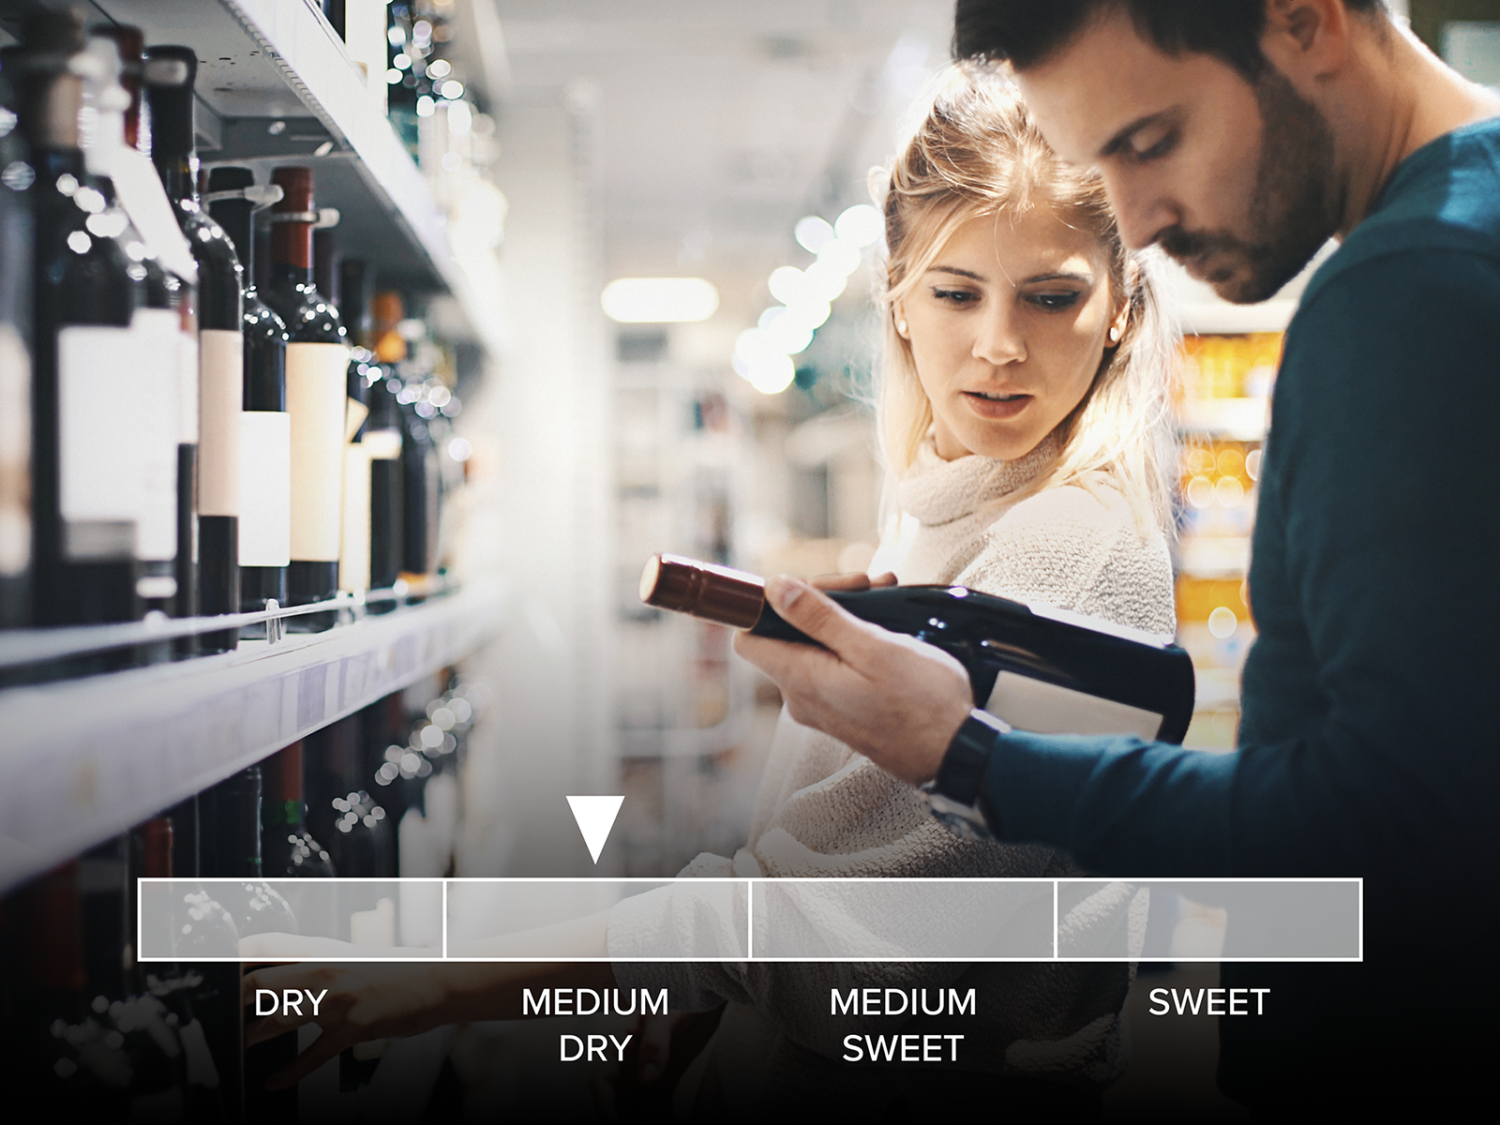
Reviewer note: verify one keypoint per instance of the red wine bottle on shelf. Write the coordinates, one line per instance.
(55, 1051)
(355, 289)
(230, 848)
(266, 431)
(342, 811)
(170, 73)
(148, 414)
(85, 293)
(1037, 668)
(16, 237)
(317, 357)
(422, 492)
(384, 431)
(290, 850)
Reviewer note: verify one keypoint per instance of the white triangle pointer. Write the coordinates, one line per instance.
(595, 817)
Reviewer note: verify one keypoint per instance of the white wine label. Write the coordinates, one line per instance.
(265, 488)
(1043, 708)
(315, 401)
(355, 413)
(382, 445)
(187, 388)
(15, 452)
(221, 391)
(153, 419)
(354, 553)
(97, 369)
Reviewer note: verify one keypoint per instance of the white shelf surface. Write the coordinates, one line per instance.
(279, 59)
(85, 759)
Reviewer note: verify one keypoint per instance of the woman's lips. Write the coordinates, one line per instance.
(996, 407)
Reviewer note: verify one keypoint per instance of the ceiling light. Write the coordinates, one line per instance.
(772, 374)
(786, 284)
(841, 255)
(659, 300)
(811, 232)
(860, 225)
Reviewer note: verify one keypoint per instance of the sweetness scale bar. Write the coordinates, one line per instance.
(758, 919)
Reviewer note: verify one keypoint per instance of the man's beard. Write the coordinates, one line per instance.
(1291, 213)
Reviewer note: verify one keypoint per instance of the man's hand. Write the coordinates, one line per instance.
(891, 697)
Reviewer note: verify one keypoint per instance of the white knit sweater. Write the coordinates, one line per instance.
(824, 810)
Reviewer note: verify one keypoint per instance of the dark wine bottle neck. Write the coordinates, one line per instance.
(177, 177)
(292, 249)
(236, 216)
(287, 274)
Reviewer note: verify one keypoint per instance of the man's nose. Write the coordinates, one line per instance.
(1142, 214)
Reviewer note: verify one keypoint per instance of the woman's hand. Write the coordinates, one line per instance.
(896, 700)
(855, 581)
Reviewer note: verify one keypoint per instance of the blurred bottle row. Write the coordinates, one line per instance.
(102, 1036)
(206, 408)
(1224, 387)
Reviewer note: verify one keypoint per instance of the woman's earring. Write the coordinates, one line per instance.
(1114, 334)
(901, 328)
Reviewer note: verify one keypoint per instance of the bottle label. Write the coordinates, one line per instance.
(315, 398)
(153, 418)
(187, 387)
(354, 558)
(265, 488)
(1042, 708)
(355, 413)
(221, 391)
(15, 453)
(99, 482)
(382, 445)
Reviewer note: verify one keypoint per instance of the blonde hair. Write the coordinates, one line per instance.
(976, 153)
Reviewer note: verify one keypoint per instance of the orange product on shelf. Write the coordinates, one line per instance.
(1213, 366)
(1197, 598)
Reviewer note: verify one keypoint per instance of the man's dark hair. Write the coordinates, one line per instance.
(1027, 32)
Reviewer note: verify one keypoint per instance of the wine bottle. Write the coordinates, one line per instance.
(85, 293)
(317, 357)
(383, 441)
(421, 490)
(169, 75)
(230, 848)
(341, 810)
(265, 426)
(290, 850)
(354, 307)
(149, 413)
(57, 1049)
(16, 236)
(1038, 668)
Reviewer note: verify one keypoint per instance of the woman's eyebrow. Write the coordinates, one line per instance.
(957, 272)
(1065, 275)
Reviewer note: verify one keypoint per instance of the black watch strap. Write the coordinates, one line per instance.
(953, 795)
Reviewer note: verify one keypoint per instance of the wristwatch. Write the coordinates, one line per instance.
(953, 795)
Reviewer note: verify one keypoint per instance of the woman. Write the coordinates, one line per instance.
(1023, 414)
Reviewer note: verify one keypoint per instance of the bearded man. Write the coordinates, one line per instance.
(1238, 136)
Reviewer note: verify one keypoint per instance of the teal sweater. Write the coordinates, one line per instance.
(1370, 739)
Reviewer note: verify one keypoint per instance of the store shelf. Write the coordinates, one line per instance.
(276, 85)
(1220, 318)
(85, 759)
(1238, 419)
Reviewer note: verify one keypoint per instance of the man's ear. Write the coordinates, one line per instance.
(1306, 39)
